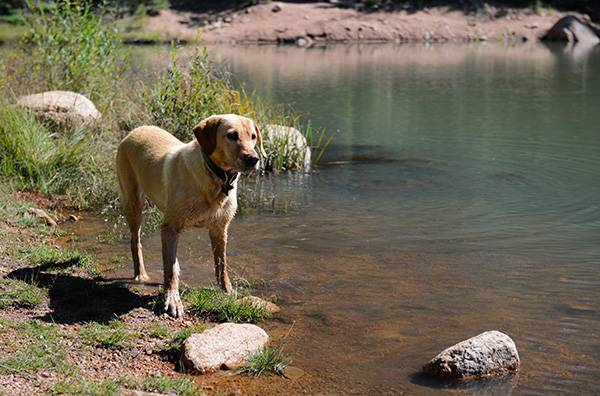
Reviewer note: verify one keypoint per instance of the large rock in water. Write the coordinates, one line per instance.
(288, 142)
(226, 346)
(572, 29)
(61, 107)
(487, 354)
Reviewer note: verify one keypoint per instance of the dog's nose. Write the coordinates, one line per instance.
(250, 160)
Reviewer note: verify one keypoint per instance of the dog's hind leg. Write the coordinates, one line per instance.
(132, 201)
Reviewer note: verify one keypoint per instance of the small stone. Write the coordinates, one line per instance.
(301, 42)
(226, 346)
(258, 302)
(73, 218)
(228, 19)
(276, 8)
(293, 373)
(487, 354)
(43, 215)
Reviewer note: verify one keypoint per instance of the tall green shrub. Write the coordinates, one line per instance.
(71, 48)
(183, 97)
(36, 159)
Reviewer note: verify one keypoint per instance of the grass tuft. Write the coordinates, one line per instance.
(20, 294)
(269, 360)
(35, 158)
(111, 335)
(82, 386)
(182, 335)
(214, 304)
(61, 259)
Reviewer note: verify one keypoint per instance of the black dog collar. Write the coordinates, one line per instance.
(227, 178)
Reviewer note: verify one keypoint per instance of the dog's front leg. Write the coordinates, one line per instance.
(169, 238)
(218, 239)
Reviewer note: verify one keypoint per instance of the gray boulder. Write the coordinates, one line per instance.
(487, 354)
(226, 346)
(288, 142)
(61, 107)
(572, 29)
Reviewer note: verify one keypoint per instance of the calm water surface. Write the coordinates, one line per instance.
(461, 194)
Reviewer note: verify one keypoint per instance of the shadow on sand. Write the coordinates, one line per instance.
(74, 299)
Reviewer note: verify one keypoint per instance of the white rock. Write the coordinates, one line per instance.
(487, 354)
(61, 107)
(295, 145)
(226, 346)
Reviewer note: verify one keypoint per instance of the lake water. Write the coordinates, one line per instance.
(461, 194)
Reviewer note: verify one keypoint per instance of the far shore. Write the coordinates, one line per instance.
(314, 23)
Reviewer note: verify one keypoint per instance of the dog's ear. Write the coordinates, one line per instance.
(206, 133)
(259, 142)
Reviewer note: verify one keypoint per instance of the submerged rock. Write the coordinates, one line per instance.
(572, 29)
(61, 107)
(289, 143)
(226, 346)
(487, 354)
(258, 302)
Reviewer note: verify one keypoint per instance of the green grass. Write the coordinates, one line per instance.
(214, 304)
(111, 335)
(158, 330)
(20, 294)
(177, 341)
(52, 258)
(10, 31)
(37, 349)
(84, 386)
(183, 386)
(34, 158)
(269, 360)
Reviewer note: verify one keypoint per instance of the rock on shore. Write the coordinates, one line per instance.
(289, 143)
(226, 346)
(572, 29)
(61, 107)
(487, 354)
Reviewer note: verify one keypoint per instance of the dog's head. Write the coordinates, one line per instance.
(231, 141)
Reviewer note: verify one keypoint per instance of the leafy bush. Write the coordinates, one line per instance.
(181, 98)
(72, 49)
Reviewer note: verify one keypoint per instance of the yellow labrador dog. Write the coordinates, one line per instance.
(193, 184)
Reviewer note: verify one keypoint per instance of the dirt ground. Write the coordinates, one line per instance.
(308, 23)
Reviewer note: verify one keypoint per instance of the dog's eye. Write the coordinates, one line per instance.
(253, 136)
(233, 136)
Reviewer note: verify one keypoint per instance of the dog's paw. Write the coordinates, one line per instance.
(141, 278)
(173, 304)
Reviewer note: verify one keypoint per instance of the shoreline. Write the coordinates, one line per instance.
(323, 23)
